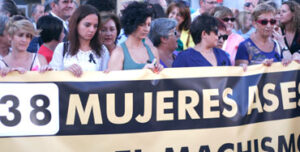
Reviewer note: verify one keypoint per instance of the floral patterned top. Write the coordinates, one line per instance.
(247, 50)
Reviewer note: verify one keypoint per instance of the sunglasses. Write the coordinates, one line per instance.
(227, 19)
(248, 4)
(265, 21)
(224, 37)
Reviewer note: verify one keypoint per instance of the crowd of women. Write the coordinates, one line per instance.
(142, 39)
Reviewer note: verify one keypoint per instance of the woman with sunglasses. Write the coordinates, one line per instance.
(290, 23)
(204, 31)
(164, 37)
(260, 47)
(233, 41)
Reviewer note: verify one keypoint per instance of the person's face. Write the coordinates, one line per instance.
(222, 37)
(212, 38)
(108, 33)
(285, 14)
(248, 22)
(229, 22)
(142, 31)
(63, 8)
(172, 39)
(175, 14)
(39, 12)
(4, 39)
(249, 7)
(208, 5)
(87, 27)
(20, 40)
(265, 24)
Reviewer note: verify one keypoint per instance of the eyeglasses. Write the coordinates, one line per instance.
(175, 33)
(248, 4)
(265, 21)
(227, 19)
(224, 37)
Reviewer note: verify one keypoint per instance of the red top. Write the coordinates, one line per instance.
(46, 52)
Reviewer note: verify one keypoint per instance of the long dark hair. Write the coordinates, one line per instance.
(184, 11)
(295, 9)
(80, 13)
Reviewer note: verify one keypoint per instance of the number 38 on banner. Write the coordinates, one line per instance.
(29, 109)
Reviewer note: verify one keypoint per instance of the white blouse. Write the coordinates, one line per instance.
(87, 60)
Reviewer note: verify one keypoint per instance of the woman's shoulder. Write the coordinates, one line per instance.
(187, 52)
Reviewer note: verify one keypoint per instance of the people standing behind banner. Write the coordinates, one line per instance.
(181, 13)
(83, 51)
(51, 34)
(205, 7)
(260, 47)
(244, 24)
(8, 8)
(61, 9)
(134, 53)
(233, 41)
(20, 34)
(290, 23)
(204, 30)
(4, 41)
(109, 31)
(164, 36)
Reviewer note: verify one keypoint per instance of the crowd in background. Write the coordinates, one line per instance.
(155, 34)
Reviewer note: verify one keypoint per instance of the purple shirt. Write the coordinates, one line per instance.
(193, 58)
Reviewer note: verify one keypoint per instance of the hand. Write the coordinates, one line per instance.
(287, 58)
(19, 69)
(244, 66)
(45, 68)
(296, 57)
(155, 67)
(4, 71)
(277, 34)
(75, 69)
(267, 62)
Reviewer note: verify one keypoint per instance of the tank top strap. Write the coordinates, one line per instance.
(129, 63)
(151, 56)
(35, 64)
(4, 63)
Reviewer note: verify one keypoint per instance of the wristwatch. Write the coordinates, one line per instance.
(284, 48)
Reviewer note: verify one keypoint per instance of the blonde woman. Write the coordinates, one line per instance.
(20, 34)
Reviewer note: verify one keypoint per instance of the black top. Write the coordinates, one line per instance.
(295, 46)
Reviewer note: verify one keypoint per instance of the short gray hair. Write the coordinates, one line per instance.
(160, 28)
(3, 21)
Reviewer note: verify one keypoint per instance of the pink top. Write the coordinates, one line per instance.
(231, 45)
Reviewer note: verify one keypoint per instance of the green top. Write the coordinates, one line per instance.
(129, 64)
